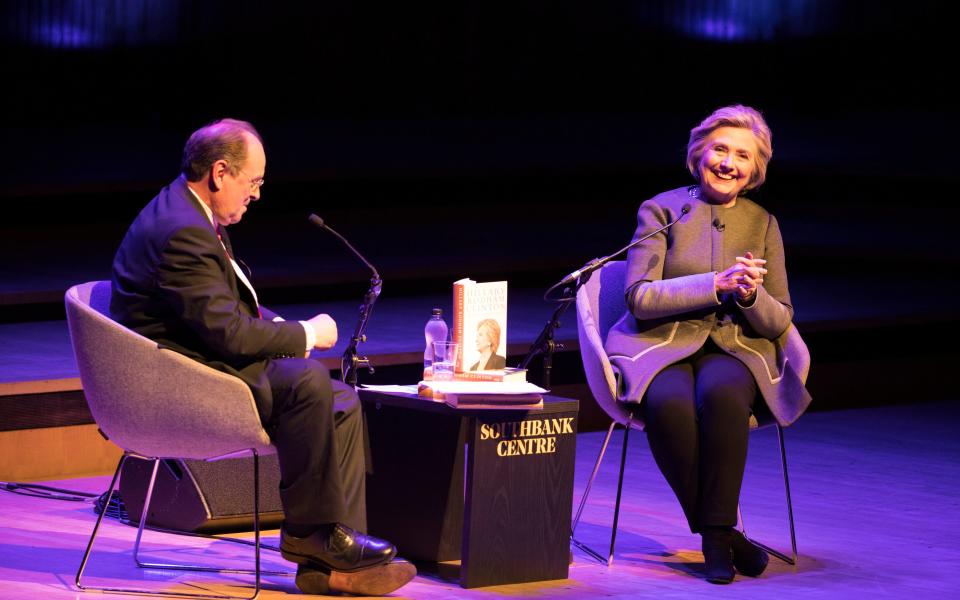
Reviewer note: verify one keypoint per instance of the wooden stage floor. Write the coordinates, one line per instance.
(874, 491)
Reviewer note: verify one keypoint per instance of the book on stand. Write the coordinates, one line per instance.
(480, 325)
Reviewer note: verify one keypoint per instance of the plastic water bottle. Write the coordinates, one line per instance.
(435, 331)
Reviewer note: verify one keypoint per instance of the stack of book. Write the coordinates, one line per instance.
(506, 374)
(499, 395)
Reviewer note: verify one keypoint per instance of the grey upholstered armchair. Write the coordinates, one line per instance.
(155, 404)
(600, 304)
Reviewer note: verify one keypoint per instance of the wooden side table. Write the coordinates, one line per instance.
(493, 489)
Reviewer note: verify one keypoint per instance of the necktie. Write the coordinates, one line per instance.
(225, 242)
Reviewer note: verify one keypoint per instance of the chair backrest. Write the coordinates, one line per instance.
(153, 401)
(600, 304)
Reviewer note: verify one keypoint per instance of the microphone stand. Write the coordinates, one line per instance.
(352, 362)
(544, 344)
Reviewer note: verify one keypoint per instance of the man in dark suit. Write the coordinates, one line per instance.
(175, 281)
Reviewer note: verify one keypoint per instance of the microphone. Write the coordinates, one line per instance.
(595, 264)
(718, 225)
(352, 362)
(319, 223)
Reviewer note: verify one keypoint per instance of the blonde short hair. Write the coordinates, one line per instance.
(740, 116)
(494, 327)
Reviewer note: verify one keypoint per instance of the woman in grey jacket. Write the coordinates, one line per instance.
(709, 327)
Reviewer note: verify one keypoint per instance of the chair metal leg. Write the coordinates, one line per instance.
(257, 572)
(143, 514)
(586, 494)
(792, 559)
(616, 512)
(593, 475)
(786, 487)
(96, 527)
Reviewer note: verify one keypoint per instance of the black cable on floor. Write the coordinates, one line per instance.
(116, 510)
(36, 490)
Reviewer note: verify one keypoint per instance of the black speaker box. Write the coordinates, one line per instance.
(203, 497)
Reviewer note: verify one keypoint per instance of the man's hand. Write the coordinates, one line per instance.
(326, 330)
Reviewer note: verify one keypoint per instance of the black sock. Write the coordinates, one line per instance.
(717, 532)
(302, 530)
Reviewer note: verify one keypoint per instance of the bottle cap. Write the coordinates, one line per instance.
(438, 311)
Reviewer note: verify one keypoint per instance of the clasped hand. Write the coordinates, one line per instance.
(742, 278)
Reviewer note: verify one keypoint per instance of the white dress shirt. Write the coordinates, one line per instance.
(307, 327)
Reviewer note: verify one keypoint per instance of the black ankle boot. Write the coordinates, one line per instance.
(717, 554)
(748, 558)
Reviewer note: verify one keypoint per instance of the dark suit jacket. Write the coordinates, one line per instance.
(173, 283)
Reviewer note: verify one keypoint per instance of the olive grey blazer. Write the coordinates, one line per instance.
(674, 308)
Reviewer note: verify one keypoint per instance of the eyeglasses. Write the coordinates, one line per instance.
(254, 183)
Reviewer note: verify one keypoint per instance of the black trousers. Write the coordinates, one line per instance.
(317, 426)
(697, 415)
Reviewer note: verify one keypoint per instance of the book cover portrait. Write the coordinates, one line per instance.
(480, 324)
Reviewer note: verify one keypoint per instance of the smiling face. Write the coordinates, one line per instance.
(236, 190)
(727, 164)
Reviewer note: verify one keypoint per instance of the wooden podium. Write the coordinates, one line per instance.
(493, 489)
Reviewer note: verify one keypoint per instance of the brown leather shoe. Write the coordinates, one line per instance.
(343, 550)
(373, 581)
(313, 580)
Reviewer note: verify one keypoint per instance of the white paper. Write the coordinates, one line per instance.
(402, 389)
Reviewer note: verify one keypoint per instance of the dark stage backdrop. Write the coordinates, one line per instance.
(470, 138)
